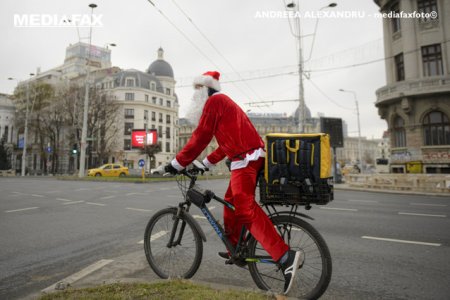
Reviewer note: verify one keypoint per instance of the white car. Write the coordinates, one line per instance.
(158, 171)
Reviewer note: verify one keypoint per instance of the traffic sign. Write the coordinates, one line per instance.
(141, 163)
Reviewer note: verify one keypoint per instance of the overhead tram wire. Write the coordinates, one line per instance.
(183, 34)
(217, 50)
(192, 43)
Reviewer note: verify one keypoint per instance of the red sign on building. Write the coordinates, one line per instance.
(138, 138)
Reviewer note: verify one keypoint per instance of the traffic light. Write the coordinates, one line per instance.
(75, 149)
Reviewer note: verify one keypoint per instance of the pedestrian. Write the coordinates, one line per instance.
(217, 115)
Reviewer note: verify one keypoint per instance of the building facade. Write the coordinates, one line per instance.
(416, 100)
(145, 101)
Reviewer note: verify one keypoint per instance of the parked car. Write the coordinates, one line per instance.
(109, 170)
(158, 171)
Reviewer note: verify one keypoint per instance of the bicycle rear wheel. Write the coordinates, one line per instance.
(313, 278)
(182, 258)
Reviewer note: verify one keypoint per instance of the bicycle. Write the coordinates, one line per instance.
(173, 243)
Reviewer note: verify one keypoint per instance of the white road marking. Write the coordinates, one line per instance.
(335, 208)
(212, 207)
(157, 235)
(108, 197)
(199, 217)
(138, 209)
(73, 202)
(35, 195)
(62, 199)
(400, 241)
(18, 193)
(421, 215)
(77, 276)
(363, 201)
(22, 209)
(52, 192)
(428, 204)
(98, 204)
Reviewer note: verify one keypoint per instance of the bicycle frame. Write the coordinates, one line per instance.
(220, 231)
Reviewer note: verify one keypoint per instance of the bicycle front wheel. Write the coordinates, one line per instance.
(172, 244)
(314, 276)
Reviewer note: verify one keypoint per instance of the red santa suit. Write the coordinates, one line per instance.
(238, 139)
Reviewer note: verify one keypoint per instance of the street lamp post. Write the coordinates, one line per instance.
(86, 104)
(359, 126)
(298, 36)
(25, 134)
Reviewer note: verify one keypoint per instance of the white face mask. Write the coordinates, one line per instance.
(196, 106)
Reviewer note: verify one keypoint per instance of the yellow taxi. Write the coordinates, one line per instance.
(109, 170)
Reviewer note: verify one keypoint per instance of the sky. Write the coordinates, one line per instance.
(249, 42)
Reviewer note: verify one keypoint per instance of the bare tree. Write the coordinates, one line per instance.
(150, 151)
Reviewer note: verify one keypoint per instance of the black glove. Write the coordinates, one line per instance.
(228, 163)
(170, 169)
(200, 166)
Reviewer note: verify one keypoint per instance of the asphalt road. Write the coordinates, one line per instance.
(384, 246)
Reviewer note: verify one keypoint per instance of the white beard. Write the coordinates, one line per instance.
(196, 106)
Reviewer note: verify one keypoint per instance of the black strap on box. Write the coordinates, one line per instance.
(280, 147)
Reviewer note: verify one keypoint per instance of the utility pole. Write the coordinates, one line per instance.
(86, 103)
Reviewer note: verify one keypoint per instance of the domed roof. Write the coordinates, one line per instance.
(160, 67)
(141, 79)
(307, 114)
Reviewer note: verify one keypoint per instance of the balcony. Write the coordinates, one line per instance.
(422, 86)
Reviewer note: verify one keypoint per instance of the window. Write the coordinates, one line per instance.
(129, 113)
(145, 114)
(154, 100)
(116, 167)
(160, 131)
(167, 91)
(130, 82)
(168, 119)
(161, 101)
(168, 132)
(5, 134)
(146, 98)
(395, 21)
(399, 67)
(160, 118)
(427, 6)
(153, 116)
(432, 60)
(167, 147)
(168, 103)
(436, 129)
(128, 128)
(129, 96)
(399, 133)
(152, 86)
(126, 144)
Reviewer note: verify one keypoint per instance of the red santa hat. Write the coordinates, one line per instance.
(209, 79)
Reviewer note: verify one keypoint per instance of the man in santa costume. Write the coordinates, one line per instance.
(216, 115)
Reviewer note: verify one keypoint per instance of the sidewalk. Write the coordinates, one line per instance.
(346, 186)
(132, 267)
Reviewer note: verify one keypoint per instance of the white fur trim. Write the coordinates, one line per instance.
(208, 81)
(207, 163)
(177, 165)
(240, 164)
